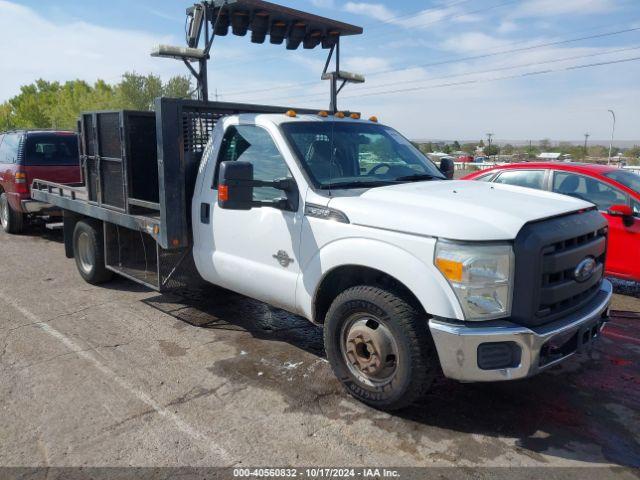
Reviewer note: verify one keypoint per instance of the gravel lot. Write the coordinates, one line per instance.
(121, 376)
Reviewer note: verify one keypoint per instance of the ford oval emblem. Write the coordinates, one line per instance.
(585, 269)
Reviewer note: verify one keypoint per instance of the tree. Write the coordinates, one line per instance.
(469, 148)
(31, 107)
(598, 151)
(137, 92)
(178, 87)
(531, 151)
(44, 104)
(508, 149)
(545, 144)
(631, 153)
(6, 117)
(456, 146)
(491, 150)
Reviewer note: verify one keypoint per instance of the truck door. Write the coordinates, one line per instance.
(251, 252)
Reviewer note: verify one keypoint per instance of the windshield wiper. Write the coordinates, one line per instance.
(357, 184)
(418, 177)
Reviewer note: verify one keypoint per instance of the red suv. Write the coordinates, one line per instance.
(616, 193)
(28, 155)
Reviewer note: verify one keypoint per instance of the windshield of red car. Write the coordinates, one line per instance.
(626, 178)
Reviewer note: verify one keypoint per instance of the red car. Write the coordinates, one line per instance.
(28, 155)
(616, 193)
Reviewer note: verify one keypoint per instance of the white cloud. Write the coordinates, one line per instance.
(507, 27)
(323, 3)
(163, 15)
(467, 18)
(373, 10)
(422, 20)
(472, 42)
(366, 64)
(71, 50)
(550, 8)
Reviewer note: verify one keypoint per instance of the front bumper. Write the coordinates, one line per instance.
(534, 349)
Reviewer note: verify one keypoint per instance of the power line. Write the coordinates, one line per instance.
(477, 72)
(502, 52)
(500, 69)
(528, 74)
(450, 61)
(495, 79)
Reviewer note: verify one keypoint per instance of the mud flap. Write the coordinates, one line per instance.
(69, 220)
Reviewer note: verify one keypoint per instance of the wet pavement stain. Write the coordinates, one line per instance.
(548, 414)
(172, 349)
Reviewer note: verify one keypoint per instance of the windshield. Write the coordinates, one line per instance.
(628, 179)
(357, 155)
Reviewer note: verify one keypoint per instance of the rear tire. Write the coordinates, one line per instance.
(380, 347)
(88, 251)
(12, 222)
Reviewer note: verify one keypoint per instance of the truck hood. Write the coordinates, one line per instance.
(457, 210)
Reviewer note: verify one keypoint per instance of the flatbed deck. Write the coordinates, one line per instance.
(75, 198)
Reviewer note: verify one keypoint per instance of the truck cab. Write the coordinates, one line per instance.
(344, 222)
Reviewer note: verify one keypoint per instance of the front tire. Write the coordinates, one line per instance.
(12, 222)
(88, 251)
(380, 348)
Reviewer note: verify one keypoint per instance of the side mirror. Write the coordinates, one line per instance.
(447, 167)
(624, 211)
(235, 186)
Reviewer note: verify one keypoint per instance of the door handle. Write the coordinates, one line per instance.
(205, 213)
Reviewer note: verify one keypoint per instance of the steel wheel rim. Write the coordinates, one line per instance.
(4, 211)
(85, 252)
(369, 349)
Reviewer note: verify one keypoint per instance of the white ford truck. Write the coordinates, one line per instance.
(346, 223)
(337, 219)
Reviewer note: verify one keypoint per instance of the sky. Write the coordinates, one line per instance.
(436, 69)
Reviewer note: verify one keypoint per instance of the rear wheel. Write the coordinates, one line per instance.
(88, 250)
(11, 221)
(380, 347)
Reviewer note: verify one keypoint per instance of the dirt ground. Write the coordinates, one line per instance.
(120, 376)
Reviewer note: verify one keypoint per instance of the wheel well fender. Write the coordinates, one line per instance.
(357, 261)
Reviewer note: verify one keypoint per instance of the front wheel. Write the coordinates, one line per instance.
(380, 348)
(88, 250)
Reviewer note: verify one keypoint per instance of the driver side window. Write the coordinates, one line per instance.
(249, 143)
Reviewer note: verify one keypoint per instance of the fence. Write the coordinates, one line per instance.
(477, 166)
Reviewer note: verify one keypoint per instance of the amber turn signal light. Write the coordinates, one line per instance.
(223, 193)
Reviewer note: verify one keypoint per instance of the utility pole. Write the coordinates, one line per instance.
(613, 131)
(489, 138)
(586, 139)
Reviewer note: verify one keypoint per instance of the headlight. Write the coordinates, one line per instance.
(481, 277)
